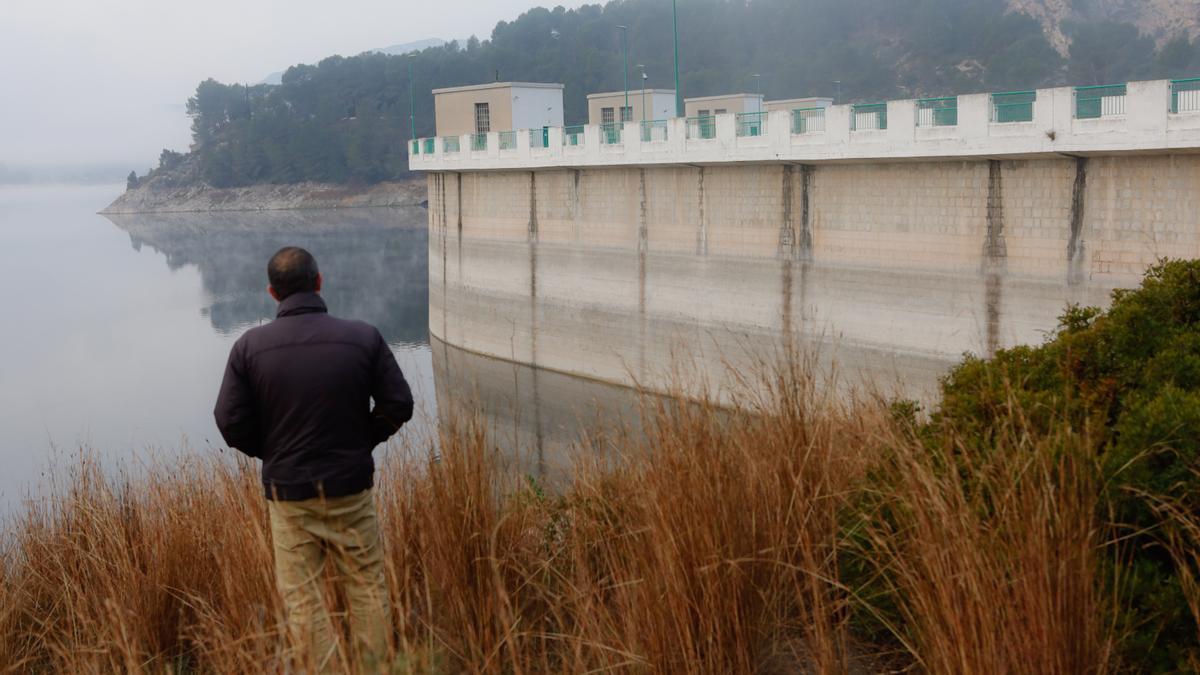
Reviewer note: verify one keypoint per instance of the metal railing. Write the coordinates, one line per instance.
(449, 145)
(1185, 95)
(701, 128)
(751, 124)
(539, 138)
(937, 112)
(868, 116)
(808, 121)
(430, 146)
(654, 131)
(610, 134)
(1013, 106)
(573, 136)
(414, 147)
(478, 142)
(1103, 101)
(507, 140)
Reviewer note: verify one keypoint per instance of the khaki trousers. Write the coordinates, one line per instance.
(344, 529)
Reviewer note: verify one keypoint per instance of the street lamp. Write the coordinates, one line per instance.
(675, 30)
(412, 102)
(644, 78)
(625, 51)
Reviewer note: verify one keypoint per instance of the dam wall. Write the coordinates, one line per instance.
(885, 241)
(894, 269)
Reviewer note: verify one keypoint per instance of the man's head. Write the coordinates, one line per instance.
(292, 270)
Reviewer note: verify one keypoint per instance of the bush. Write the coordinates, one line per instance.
(1129, 380)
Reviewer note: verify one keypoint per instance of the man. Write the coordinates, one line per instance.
(297, 394)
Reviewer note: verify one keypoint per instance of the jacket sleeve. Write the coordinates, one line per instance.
(389, 390)
(236, 412)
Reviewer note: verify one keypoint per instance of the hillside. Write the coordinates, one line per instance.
(345, 120)
(1158, 19)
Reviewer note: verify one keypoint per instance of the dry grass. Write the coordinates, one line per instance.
(801, 535)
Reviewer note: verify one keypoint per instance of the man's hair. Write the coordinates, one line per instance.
(292, 270)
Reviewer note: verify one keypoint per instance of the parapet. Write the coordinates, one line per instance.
(1161, 116)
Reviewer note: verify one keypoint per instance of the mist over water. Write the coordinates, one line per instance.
(117, 330)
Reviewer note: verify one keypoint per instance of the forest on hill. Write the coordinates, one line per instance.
(346, 119)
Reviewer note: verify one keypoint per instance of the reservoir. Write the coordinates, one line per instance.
(118, 327)
(117, 330)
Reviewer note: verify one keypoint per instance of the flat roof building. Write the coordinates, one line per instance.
(705, 106)
(603, 107)
(798, 103)
(497, 106)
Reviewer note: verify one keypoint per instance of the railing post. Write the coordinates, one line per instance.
(677, 136)
(727, 130)
(1147, 105)
(902, 121)
(631, 140)
(974, 115)
(779, 129)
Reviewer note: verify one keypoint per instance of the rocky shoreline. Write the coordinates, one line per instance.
(154, 198)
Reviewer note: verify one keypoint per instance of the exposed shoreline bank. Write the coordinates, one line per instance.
(203, 198)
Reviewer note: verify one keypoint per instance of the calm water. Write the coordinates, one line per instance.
(116, 330)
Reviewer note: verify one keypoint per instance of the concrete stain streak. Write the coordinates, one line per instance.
(806, 238)
(533, 323)
(441, 185)
(641, 247)
(995, 255)
(786, 234)
(459, 189)
(702, 234)
(1075, 245)
(575, 210)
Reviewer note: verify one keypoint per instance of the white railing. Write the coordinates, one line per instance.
(1140, 120)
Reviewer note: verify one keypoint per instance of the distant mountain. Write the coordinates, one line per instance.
(1159, 19)
(346, 120)
(394, 50)
(406, 47)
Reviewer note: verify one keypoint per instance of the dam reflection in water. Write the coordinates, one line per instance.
(375, 261)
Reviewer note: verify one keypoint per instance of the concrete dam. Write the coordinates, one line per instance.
(888, 250)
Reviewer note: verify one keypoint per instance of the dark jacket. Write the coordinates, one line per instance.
(297, 394)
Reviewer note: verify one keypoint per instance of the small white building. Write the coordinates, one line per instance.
(603, 107)
(808, 103)
(497, 106)
(707, 106)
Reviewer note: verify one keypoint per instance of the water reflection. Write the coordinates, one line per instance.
(536, 417)
(374, 261)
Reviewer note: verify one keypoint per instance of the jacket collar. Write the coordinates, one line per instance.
(301, 303)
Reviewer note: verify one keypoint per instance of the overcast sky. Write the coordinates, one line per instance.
(104, 81)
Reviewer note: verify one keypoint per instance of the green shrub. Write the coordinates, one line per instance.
(1128, 379)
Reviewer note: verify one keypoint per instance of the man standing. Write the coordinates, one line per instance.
(297, 394)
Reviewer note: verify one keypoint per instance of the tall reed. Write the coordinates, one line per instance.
(796, 533)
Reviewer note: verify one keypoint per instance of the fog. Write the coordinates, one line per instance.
(102, 83)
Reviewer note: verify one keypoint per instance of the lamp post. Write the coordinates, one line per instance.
(644, 78)
(675, 30)
(412, 102)
(625, 52)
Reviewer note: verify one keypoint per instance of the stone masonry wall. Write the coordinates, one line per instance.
(893, 269)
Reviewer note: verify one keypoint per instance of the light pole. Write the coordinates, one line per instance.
(412, 102)
(758, 89)
(644, 77)
(625, 51)
(675, 30)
